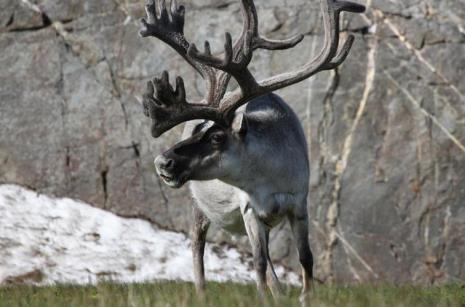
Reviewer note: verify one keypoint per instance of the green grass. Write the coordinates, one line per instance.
(182, 294)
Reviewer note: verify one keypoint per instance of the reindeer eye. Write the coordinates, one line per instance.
(217, 138)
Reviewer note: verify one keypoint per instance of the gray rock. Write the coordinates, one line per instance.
(386, 131)
(19, 15)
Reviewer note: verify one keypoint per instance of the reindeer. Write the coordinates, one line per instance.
(244, 152)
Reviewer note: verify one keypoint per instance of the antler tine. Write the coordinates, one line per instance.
(170, 31)
(328, 58)
(347, 6)
(237, 57)
(169, 28)
(167, 24)
(269, 44)
(207, 58)
(250, 16)
(168, 107)
(232, 62)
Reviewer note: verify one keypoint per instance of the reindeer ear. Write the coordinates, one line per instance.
(240, 125)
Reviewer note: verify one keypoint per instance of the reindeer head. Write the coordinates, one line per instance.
(210, 150)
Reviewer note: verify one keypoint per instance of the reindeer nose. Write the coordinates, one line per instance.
(163, 163)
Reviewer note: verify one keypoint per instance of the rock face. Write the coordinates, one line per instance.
(386, 130)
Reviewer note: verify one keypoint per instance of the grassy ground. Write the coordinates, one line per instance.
(182, 294)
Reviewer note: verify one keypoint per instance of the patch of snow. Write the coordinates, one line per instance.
(46, 240)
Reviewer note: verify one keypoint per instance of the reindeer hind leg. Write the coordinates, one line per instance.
(299, 226)
(272, 279)
(256, 231)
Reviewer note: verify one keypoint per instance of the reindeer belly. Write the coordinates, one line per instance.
(221, 203)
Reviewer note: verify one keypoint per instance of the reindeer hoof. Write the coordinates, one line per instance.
(304, 299)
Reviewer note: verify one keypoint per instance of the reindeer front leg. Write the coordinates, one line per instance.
(199, 234)
(257, 233)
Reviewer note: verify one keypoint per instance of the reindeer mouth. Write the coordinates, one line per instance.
(170, 180)
(173, 181)
(167, 178)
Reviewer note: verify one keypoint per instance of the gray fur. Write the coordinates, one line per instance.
(253, 184)
(256, 169)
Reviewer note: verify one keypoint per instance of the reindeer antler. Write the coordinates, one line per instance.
(169, 107)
